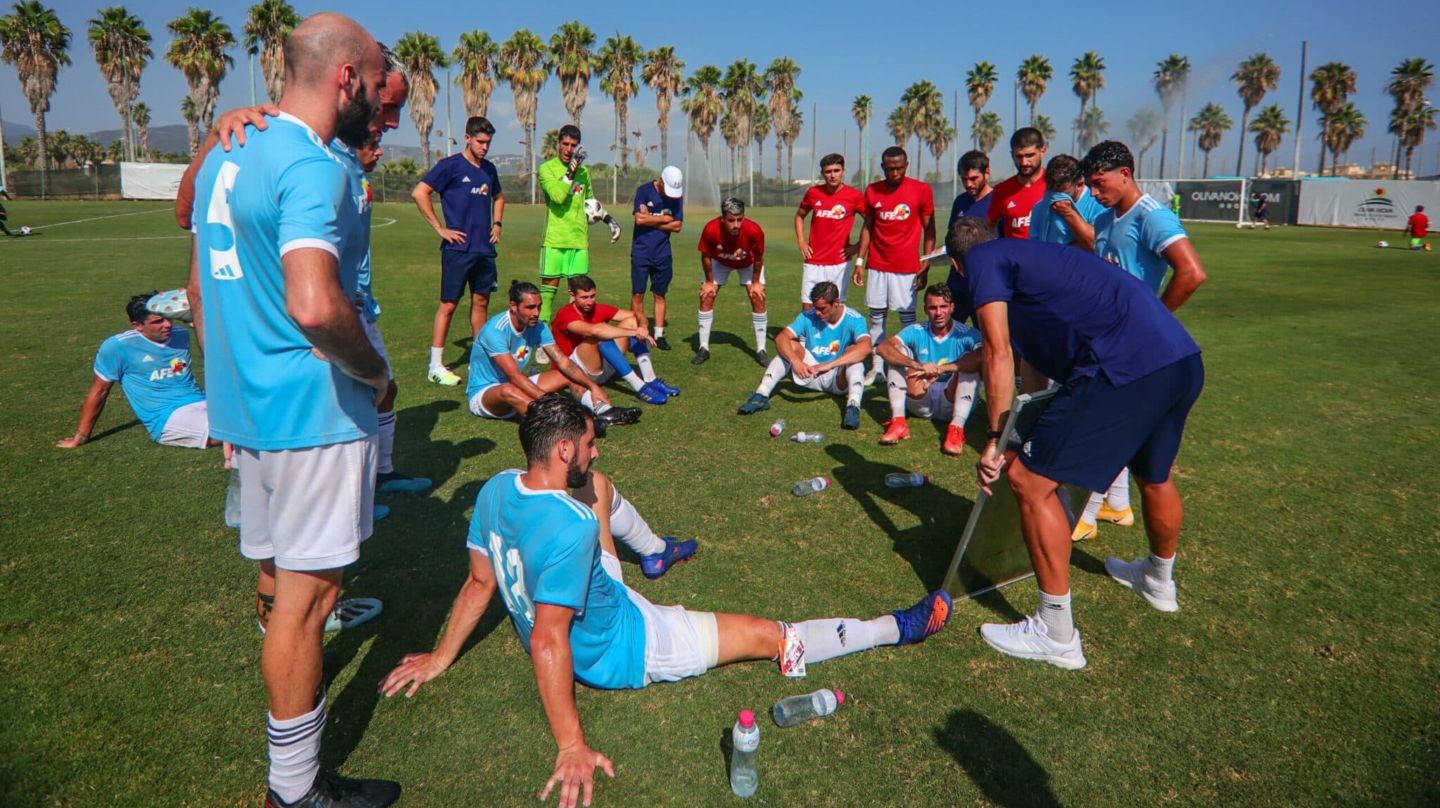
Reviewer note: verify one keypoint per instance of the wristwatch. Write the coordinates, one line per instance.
(991, 434)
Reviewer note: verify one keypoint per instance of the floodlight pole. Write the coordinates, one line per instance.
(449, 139)
(814, 128)
(1300, 108)
(3, 183)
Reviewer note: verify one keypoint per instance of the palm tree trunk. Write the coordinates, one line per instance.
(1324, 127)
(42, 145)
(1032, 111)
(622, 109)
(664, 142)
(1240, 159)
(975, 130)
(1207, 164)
(778, 166)
(790, 163)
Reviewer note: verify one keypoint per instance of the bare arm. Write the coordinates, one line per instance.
(793, 352)
(417, 669)
(511, 369)
(708, 266)
(929, 245)
(805, 251)
(863, 253)
(855, 353)
(421, 195)
(497, 215)
(553, 663)
(1188, 274)
(1083, 231)
(325, 314)
(89, 414)
(999, 377)
(192, 295)
(562, 363)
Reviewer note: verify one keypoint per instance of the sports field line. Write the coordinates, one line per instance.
(388, 222)
(98, 218)
(113, 238)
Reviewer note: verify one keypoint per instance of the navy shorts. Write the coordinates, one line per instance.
(460, 269)
(658, 271)
(1093, 429)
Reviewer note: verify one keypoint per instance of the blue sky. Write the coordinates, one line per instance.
(847, 48)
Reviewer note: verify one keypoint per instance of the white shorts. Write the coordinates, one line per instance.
(746, 275)
(187, 427)
(372, 330)
(679, 643)
(605, 374)
(889, 290)
(476, 408)
(811, 274)
(308, 509)
(934, 404)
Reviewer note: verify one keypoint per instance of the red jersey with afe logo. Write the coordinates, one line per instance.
(1011, 204)
(832, 220)
(745, 249)
(898, 215)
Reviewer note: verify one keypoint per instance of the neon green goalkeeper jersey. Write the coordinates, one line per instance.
(565, 226)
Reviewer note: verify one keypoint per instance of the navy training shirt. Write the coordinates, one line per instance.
(467, 196)
(652, 243)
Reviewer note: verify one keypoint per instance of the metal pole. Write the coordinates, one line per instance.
(1015, 122)
(3, 175)
(1184, 96)
(449, 139)
(252, 78)
(955, 167)
(867, 151)
(1300, 107)
(814, 128)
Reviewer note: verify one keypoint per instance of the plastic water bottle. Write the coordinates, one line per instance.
(805, 488)
(899, 479)
(799, 709)
(744, 776)
(778, 428)
(232, 498)
(808, 437)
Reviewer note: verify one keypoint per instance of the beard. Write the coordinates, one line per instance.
(352, 127)
(576, 477)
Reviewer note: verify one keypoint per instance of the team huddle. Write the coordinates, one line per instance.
(1056, 277)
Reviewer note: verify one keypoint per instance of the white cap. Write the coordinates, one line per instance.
(670, 182)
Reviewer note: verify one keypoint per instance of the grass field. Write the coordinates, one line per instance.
(1303, 668)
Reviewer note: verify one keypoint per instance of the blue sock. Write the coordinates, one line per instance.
(611, 353)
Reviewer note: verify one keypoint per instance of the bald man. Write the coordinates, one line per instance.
(294, 379)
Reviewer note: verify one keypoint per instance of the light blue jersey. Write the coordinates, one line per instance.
(924, 346)
(500, 337)
(283, 190)
(360, 188)
(1137, 240)
(156, 378)
(1045, 225)
(825, 341)
(545, 548)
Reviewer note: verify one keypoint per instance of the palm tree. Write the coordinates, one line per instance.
(122, 48)
(571, 60)
(1145, 127)
(1034, 76)
(1091, 128)
(780, 78)
(476, 55)
(899, 124)
(140, 114)
(664, 75)
(761, 127)
(1345, 126)
(939, 137)
(988, 130)
(925, 106)
(1331, 85)
(797, 121)
(522, 63)
(1410, 128)
(34, 40)
(1255, 76)
(732, 140)
(1269, 127)
(743, 89)
(979, 86)
(60, 147)
(1407, 85)
(550, 144)
(702, 104)
(616, 62)
(1212, 123)
(861, 109)
(421, 54)
(191, 114)
(115, 152)
(1171, 77)
(198, 51)
(1087, 78)
(1046, 128)
(266, 27)
(404, 165)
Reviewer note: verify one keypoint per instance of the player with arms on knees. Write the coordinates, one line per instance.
(659, 214)
(1144, 238)
(932, 372)
(1015, 198)
(824, 350)
(734, 244)
(499, 387)
(899, 212)
(584, 332)
(151, 362)
(553, 560)
(834, 206)
(1067, 212)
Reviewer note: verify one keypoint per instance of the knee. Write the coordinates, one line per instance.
(448, 306)
(1026, 484)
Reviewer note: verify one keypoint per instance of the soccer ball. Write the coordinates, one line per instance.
(1239, 225)
(25, 231)
(1382, 245)
(593, 211)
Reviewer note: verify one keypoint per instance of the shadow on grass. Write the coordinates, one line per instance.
(114, 430)
(722, 338)
(1002, 769)
(420, 456)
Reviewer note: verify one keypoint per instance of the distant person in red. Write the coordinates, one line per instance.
(1013, 198)
(732, 243)
(1419, 225)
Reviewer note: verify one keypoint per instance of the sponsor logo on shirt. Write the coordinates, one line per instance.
(369, 194)
(737, 256)
(177, 366)
(483, 190)
(827, 350)
(1019, 221)
(464, 179)
(837, 212)
(521, 353)
(148, 358)
(576, 188)
(899, 214)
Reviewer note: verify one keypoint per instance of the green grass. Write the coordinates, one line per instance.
(1302, 669)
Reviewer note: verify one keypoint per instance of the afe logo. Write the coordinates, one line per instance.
(837, 212)
(899, 214)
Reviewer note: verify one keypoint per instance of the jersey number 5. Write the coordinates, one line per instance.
(220, 228)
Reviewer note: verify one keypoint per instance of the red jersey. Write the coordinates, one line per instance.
(833, 219)
(1011, 205)
(566, 341)
(1419, 224)
(737, 252)
(897, 222)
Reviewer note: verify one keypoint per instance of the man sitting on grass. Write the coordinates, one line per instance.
(596, 336)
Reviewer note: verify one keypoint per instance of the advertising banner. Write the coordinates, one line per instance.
(150, 180)
(1211, 200)
(1282, 196)
(1365, 203)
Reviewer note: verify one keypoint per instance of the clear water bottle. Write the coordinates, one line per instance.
(744, 776)
(778, 428)
(805, 488)
(899, 479)
(232, 498)
(808, 437)
(799, 709)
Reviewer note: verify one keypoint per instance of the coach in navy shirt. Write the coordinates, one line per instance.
(1129, 375)
(659, 211)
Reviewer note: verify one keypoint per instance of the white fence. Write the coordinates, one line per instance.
(1365, 203)
(150, 180)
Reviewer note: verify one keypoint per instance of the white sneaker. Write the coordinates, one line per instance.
(1027, 639)
(442, 376)
(875, 375)
(1160, 594)
(543, 357)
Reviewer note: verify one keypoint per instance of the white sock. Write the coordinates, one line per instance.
(659, 331)
(591, 404)
(777, 370)
(627, 525)
(835, 637)
(896, 390)
(383, 464)
(1161, 569)
(707, 319)
(1092, 508)
(761, 323)
(1118, 497)
(634, 381)
(647, 368)
(965, 389)
(295, 752)
(877, 334)
(854, 383)
(1056, 615)
(437, 358)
